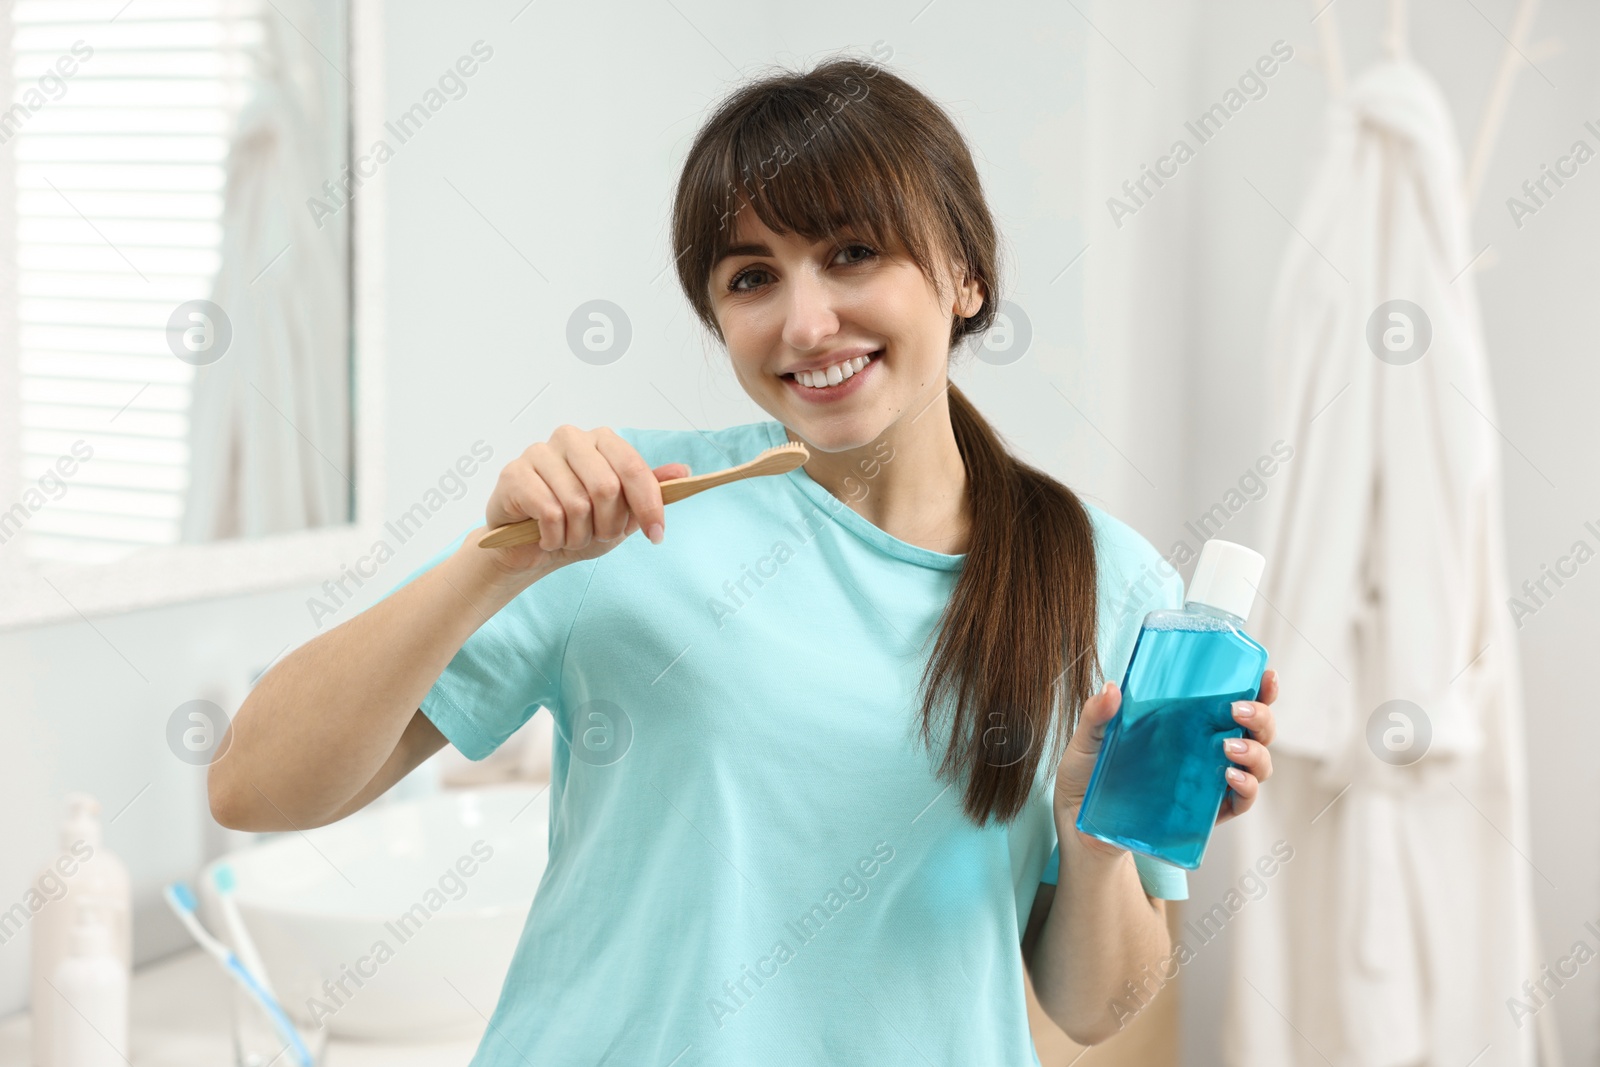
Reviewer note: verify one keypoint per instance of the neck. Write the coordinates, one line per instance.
(909, 482)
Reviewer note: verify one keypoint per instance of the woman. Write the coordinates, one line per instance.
(783, 828)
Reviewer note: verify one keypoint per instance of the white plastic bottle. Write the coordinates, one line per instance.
(90, 1028)
(83, 870)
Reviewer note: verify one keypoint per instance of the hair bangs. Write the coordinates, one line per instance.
(847, 148)
(812, 171)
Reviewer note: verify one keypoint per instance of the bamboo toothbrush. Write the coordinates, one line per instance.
(778, 460)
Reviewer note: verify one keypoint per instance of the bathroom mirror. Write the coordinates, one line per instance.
(185, 259)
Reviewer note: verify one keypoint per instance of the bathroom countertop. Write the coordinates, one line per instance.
(179, 1017)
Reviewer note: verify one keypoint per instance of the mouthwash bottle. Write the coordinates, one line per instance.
(1158, 781)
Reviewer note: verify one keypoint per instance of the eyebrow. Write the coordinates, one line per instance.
(742, 250)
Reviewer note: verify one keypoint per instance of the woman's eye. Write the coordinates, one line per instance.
(852, 253)
(734, 282)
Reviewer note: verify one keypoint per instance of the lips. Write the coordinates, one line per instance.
(831, 375)
(828, 395)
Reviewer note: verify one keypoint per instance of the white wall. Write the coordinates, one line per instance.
(548, 184)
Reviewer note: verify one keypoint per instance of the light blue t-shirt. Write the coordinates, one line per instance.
(751, 860)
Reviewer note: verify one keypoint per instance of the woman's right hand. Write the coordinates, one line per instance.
(589, 489)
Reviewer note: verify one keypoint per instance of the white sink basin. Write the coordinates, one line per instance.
(394, 906)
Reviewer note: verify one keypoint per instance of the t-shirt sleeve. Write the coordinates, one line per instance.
(511, 665)
(1160, 880)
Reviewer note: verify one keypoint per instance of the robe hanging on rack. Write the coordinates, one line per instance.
(1404, 921)
(269, 424)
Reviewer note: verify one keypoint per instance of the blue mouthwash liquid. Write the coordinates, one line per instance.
(1158, 780)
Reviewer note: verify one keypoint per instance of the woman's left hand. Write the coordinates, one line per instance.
(1249, 769)
(1252, 762)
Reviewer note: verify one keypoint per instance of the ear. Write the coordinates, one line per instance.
(969, 294)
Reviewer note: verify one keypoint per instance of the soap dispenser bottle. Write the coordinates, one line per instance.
(90, 1027)
(1158, 781)
(84, 870)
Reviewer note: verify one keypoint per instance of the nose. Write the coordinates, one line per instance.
(809, 318)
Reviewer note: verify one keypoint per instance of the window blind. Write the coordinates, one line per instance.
(119, 175)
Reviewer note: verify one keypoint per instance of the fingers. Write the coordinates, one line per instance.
(1243, 788)
(522, 493)
(594, 459)
(1097, 711)
(1251, 761)
(583, 486)
(1251, 764)
(1257, 718)
(640, 506)
(638, 494)
(1250, 756)
(664, 473)
(568, 524)
(1077, 763)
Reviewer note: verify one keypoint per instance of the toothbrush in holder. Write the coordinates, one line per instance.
(182, 901)
(244, 945)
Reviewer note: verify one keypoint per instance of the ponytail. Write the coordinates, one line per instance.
(1018, 635)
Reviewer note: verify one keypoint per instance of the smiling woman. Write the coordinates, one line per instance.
(840, 287)
(921, 632)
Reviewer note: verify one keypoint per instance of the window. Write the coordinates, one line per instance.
(118, 132)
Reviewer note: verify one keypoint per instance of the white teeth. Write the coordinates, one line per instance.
(821, 379)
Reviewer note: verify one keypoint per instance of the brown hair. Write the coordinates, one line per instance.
(849, 144)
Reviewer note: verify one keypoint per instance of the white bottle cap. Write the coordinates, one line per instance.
(1225, 577)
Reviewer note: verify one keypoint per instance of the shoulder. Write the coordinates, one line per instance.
(1116, 542)
(1134, 578)
(703, 450)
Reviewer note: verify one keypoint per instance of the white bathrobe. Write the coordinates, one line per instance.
(1404, 921)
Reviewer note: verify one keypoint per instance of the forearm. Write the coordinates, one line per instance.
(1101, 932)
(325, 719)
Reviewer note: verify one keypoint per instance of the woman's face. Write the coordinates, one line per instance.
(787, 304)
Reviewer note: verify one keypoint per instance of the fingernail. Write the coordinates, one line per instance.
(1105, 690)
(1243, 709)
(1234, 746)
(655, 533)
(1235, 774)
